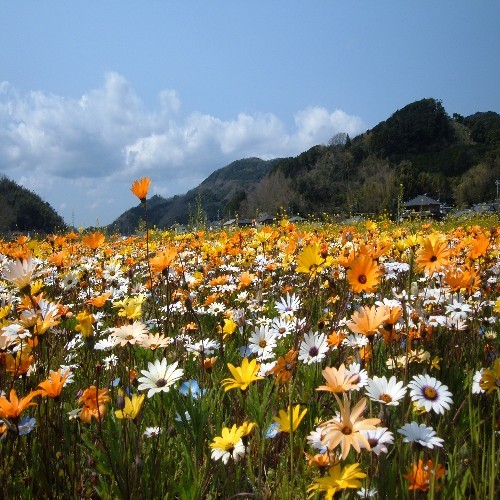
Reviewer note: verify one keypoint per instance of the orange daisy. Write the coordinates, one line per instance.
(433, 256)
(364, 274)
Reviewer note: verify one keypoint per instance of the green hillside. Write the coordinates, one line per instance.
(23, 210)
(419, 149)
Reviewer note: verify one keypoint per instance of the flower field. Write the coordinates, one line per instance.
(284, 361)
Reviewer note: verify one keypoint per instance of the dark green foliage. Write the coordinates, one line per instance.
(420, 127)
(22, 210)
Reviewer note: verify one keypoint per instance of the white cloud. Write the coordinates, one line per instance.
(81, 155)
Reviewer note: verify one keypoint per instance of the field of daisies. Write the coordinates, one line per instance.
(282, 361)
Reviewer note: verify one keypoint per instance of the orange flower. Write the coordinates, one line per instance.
(466, 279)
(335, 338)
(245, 279)
(208, 363)
(363, 276)
(320, 459)
(13, 407)
(140, 188)
(283, 368)
(479, 246)
(338, 381)
(58, 258)
(100, 300)
(163, 260)
(52, 387)
(345, 431)
(93, 240)
(434, 254)
(367, 320)
(94, 403)
(387, 328)
(20, 364)
(420, 475)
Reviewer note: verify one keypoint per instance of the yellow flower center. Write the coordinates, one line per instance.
(385, 398)
(430, 393)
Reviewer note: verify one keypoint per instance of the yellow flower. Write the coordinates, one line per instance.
(84, 326)
(131, 307)
(496, 307)
(229, 327)
(228, 444)
(338, 479)
(243, 375)
(310, 261)
(285, 417)
(132, 407)
(491, 378)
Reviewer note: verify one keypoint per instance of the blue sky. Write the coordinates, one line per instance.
(95, 94)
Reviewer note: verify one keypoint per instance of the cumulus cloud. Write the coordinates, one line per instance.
(81, 154)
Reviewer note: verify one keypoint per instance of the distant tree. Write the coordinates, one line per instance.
(339, 139)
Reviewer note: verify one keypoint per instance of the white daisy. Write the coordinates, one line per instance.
(70, 280)
(359, 376)
(205, 347)
(476, 382)
(355, 340)
(457, 311)
(428, 392)
(282, 326)
(129, 334)
(387, 392)
(288, 305)
(314, 439)
(262, 342)
(160, 377)
(237, 451)
(378, 439)
(313, 348)
(421, 434)
(151, 431)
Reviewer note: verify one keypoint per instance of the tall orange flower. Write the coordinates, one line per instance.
(13, 407)
(433, 256)
(52, 387)
(420, 475)
(364, 274)
(140, 188)
(94, 403)
(163, 260)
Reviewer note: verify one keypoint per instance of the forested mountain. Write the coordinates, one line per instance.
(419, 149)
(23, 210)
(218, 196)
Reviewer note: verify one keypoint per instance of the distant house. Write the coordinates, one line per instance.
(265, 218)
(423, 205)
